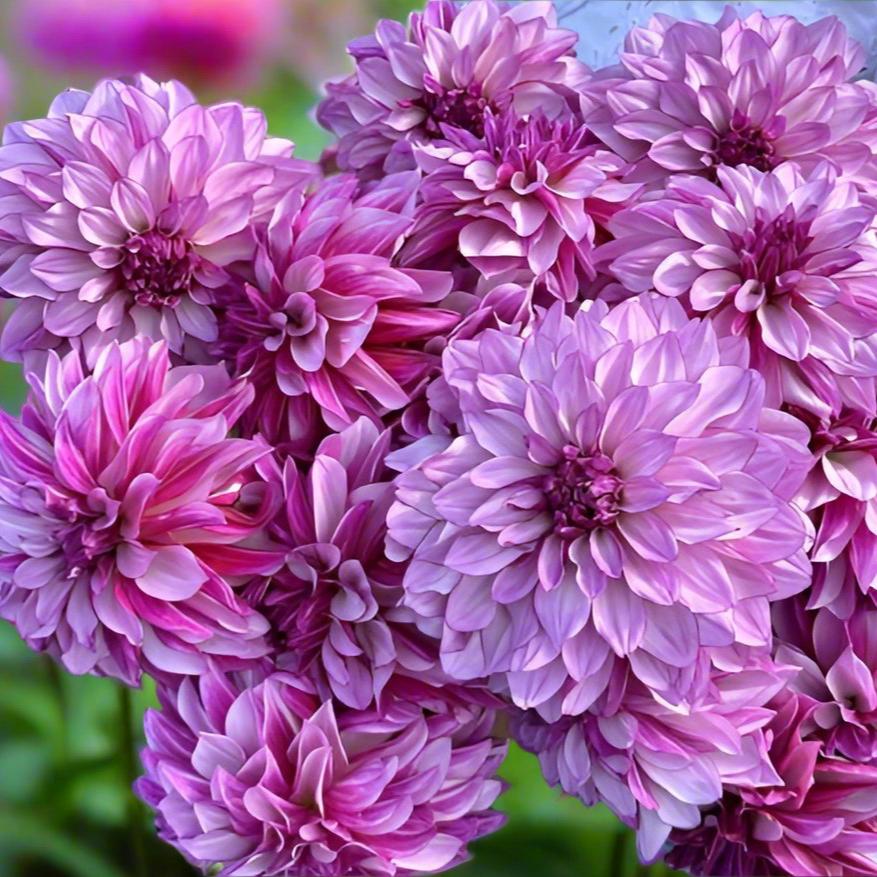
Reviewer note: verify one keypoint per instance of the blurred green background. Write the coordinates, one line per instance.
(68, 744)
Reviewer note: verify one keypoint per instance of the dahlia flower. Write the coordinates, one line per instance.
(784, 259)
(122, 211)
(264, 779)
(837, 660)
(442, 73)
(521, 197)
(128, 516)
(330, 329)
(335, 608)
(654, 766)
(602, 465)
(818, 820)
(690, 96)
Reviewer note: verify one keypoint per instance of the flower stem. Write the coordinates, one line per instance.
(128, 751)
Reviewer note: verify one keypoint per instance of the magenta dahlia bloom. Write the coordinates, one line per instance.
(129, 515)
(837, 661)
(336, 607)
(523, 197)
(603, 464)
(654, 766)
(441, 74)
(330, 330)
(123, 209)
(818, 820)
(264, 779)
(783, 259)
(690, 96)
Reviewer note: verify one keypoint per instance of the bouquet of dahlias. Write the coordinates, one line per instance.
(543, 408)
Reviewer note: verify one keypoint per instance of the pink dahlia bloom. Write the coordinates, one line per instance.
(784, 259)
(838, 671)
(122, 211)
(330, 330)
(818, 820)
(128, 515)
(264, 779)
(655, 766)
(603, 463)
(336, 607)
(443, 72)
(690, 96)
(523, 197)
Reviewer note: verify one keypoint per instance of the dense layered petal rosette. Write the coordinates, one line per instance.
(784, 259)
(837, 661)
(689, 96)
(616, 491)
(819, 820)
(330, 329)
(264, 779)
(121, 211)
(840, 494)
(443, 72)
(522, 197)
(655, 766)
(336, 606)
(128, 515)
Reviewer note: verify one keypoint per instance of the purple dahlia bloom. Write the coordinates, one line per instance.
(784, 259)
(441, 74)
(336, 606)
(524, 196)
(330, 329)
(656, 766)
(820, 820)
(838, 671)
(602, 466)
(690, 96)
(259, 777)
(128, 516)
(123, 209)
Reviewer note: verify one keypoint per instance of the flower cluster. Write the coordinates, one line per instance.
(542, 408)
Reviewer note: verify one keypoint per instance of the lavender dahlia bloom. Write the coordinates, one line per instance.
(452, 63)
(128, 516)
(656, 766)
(263, 779)
(819, 820)
(784, 259)
(690, 96)
(523, 197)
(603, 465)
(330, 329)
(122, 210)
(336, 606)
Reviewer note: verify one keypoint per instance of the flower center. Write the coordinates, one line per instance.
(773, 247)
(745, 143)
(88, 528)
(461, 107)
(157, 269)
(583, 493)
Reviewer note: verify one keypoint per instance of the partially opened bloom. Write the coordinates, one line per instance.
(603, 464)
(656, 766)
(336, 606)
(330, 329)
(784, 259)
(442, 73)
(837, 661)
(259, 777)
(690, 96)
(128, 514)
(123, 209)
(818, 820)
(522, 197)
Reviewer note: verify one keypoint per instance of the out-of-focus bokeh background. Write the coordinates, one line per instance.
(67, 745)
